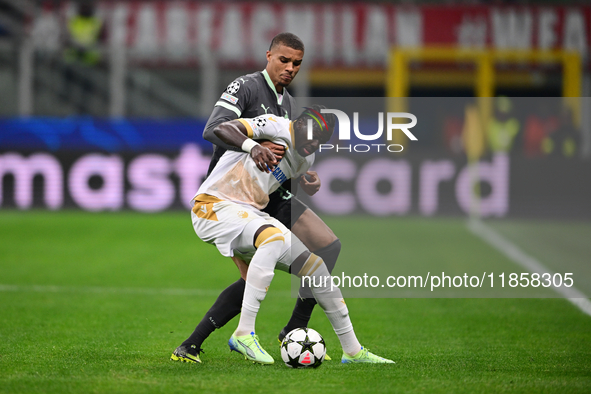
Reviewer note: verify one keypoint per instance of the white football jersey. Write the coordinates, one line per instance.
(236, 176)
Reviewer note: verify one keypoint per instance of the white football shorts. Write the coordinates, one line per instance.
(231, 228)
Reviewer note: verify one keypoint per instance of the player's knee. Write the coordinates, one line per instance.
(312, 266)
(269, 235)
(330, 254)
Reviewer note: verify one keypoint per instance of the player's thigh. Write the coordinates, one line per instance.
(292, 247)
(244, 245)
(301, 220)
(223, 223)
(280, 207)
(312, 231)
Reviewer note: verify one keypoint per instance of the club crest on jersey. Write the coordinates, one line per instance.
(233, 87)
(242, 214)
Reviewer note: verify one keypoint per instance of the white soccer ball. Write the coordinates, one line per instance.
(303, 348)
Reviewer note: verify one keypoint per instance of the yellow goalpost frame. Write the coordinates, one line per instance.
(398, 72)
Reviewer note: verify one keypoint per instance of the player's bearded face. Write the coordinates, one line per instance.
(305, 146)
(283, 65)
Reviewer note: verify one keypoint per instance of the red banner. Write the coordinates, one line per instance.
(346, 34)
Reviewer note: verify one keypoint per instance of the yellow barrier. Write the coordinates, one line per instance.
(398, 78)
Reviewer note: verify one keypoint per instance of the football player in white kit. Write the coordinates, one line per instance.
(227, 213)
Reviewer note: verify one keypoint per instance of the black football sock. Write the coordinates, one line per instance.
(225, 308)
(300, 316)
(302, 311)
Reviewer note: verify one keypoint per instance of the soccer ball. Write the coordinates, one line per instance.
(303, 348)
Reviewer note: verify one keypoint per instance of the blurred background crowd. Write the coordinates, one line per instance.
(137, 76)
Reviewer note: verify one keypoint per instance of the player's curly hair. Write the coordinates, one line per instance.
(289, 40)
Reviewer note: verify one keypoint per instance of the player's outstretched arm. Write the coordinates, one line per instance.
(234, 133)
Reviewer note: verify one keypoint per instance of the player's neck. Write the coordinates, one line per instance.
(279, 90)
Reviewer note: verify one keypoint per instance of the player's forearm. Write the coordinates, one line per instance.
(209, 135)
(232, 134)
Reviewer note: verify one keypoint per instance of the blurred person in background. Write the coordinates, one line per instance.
(539, 124)
(564, 142)
(85, 33)
(503, 126)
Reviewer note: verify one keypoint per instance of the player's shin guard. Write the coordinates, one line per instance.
(332, 302)
(302, 312)
(341, 323)
(329, 254)
(260, 274)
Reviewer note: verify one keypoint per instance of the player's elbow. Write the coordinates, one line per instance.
(209, 134)
(223, 132)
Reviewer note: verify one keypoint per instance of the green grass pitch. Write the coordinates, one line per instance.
(95, 303)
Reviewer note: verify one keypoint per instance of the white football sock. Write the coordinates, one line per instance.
(341, 323)
(332, 302)
(258, 279)
(250, 308)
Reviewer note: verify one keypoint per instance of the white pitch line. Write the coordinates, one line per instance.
(108, 290)
(513, 252)
(4, 288)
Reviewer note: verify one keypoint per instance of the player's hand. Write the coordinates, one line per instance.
(264, 158)
(310, 183)
(278, 150)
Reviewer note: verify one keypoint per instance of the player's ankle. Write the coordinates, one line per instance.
(353, 353)
(241, 333)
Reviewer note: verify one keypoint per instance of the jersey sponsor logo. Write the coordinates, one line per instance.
(243, 80)
(266, 108)
(279, 175)
(233, 87)
(230, 98)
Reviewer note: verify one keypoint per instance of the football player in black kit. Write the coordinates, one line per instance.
(264, 92)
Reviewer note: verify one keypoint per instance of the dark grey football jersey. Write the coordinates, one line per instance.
(254, 94)
(248, 96)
